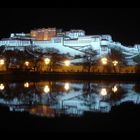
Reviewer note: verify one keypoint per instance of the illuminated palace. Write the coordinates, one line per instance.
(74, 43)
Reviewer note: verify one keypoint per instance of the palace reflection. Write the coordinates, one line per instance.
(54, 98)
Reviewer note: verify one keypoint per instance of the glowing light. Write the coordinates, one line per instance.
(103, 92)
(67, 63)
(26, 85)
(27, 63)
(104, 61)
(2, 62)
(115, 63)
(115, 89)
(47, 61)
(2, 86)
(46, 89)
(67, 86)
(42, 110)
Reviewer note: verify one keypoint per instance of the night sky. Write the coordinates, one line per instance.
(122, 23)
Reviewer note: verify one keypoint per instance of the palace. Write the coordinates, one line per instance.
(73, 43)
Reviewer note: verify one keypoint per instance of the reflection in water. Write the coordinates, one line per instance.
(2, 87)
(43, 111)
(115, 89)
(52, 98)
(26, 85)
(103, 92)
(67, 86)
(46, 89)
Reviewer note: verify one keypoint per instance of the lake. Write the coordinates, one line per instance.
(68, 99)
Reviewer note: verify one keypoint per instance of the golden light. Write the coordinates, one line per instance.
(103, 92)
(46, 89)
(115, 89)
(67, 63)
(43, 110)
(2, 86)
(47, 61)
(115, 63)
(26, 85)
(104, 61)
(2, 62)
(27, 63)
(67, 86)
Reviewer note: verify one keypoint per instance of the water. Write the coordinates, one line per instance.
(52, 99)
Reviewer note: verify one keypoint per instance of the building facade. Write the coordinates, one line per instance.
(73, 42)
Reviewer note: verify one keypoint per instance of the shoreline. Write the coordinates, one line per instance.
(36, 76)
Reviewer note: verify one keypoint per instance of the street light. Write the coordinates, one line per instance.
(2, 87)
(27, 63)
(2, 62)
(67, 86)
(47, 61)
(115, 63)
(67, 63)
(104, 61)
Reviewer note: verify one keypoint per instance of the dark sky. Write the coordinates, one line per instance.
(122, 23)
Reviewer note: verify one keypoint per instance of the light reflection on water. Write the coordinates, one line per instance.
(52, 98)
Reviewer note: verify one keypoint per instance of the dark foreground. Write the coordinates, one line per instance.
(124, 118)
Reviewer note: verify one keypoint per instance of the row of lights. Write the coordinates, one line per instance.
(105, 62)
(2, 87)
(104, 91)
(48, 61)
(66, 87)
(46, 88)
(2, 62)
(67, 62)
